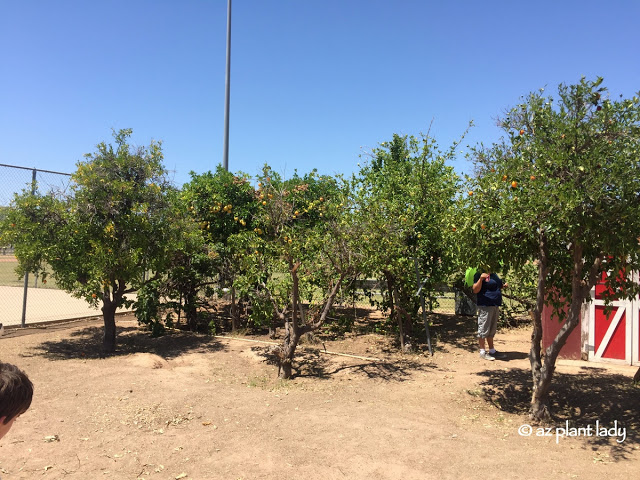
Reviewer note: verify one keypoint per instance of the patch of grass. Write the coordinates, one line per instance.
(258, 381)
(477, 392)
(9, 277)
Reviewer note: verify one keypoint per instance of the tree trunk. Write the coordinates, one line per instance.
(540, 409)
(535, 357)
(296, 327)
(286, 370)
(389, 278)
(396, 311)
(235, 312)
(191, 310)
(272, 329)
(291, 340)
(540, 406)
(407, 312)
(109, 317)
(291, 326)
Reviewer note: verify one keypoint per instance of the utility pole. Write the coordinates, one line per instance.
(227, 88)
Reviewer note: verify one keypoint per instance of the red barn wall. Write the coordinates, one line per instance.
(551, 327)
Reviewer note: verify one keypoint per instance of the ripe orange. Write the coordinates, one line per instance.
(483, 226)
(504, 178)
(521, 132)
(532, 177)
(470, 192)
(514, 184)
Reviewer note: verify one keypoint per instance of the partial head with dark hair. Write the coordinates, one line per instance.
(16, 392)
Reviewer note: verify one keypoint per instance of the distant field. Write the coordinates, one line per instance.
(9, 278)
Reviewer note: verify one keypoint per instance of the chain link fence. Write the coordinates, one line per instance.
(28, 300)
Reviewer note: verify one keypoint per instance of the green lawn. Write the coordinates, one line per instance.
(9, 278)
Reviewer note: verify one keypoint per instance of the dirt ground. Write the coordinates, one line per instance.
(187, 406)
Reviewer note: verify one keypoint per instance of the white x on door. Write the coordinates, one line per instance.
(614, 336)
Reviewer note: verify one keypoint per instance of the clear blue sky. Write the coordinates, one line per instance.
(315, 83)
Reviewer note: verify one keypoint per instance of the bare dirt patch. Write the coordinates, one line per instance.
(200, 407)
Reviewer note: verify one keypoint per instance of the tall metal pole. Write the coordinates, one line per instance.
(227, 88)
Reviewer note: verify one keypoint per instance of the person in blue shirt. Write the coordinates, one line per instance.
(488, 288)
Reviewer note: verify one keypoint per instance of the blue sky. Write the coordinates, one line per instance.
(314, 83)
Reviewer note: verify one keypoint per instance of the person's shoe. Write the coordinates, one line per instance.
(486, 356)
(498, 355)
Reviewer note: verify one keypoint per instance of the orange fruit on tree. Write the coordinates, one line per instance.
(514, 184)
(521, 132)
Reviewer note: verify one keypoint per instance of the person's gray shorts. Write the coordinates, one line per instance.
(487, 321)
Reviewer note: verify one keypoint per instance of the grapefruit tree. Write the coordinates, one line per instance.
(305, 249)
(560, 190)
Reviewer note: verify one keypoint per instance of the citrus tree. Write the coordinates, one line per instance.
(99, 241)
(223, 204)
(217, 210)
(561, 190)
(182, 289)
(305, 248)
(405, 195)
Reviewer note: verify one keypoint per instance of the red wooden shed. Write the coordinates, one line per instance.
(601, 337)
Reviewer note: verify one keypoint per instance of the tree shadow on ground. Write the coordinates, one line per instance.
(444, 329)
(353, 320)
(456, 330)
(312, 363)
(87, 343)
(461, 331)
(590, 396)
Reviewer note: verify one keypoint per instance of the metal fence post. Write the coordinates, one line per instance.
(26, 274)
